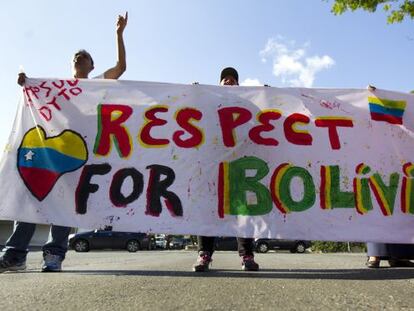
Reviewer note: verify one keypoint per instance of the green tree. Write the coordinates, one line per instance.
(397, 9)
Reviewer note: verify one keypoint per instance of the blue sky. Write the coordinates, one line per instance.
(281, 43)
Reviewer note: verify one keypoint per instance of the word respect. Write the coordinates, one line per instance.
(112, 128)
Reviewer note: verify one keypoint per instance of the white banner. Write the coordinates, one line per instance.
(296, 163)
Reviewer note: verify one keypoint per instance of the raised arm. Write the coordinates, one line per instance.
(120, 67)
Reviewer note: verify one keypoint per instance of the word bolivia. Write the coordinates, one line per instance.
(234, 184)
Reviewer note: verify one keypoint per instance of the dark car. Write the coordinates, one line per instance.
(103, 239)
(294, 246)
(179, 243)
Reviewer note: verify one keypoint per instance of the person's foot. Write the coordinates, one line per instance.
(203, 262)
(52, 263)
(7, 264)
(400, 263)
(248, 263)
(373, 262)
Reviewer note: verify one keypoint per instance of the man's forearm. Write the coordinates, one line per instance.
(120, 67)
(121, 52)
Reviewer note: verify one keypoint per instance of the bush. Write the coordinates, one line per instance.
(336, 247)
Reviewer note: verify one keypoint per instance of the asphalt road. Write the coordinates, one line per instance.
(163, 280)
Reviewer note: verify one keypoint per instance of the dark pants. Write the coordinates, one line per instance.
(244, 245)
(391, 251)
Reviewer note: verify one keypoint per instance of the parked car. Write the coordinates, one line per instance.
(179, 243)
(160, 242)
(104, 239)
(294, 246)
(263, 245)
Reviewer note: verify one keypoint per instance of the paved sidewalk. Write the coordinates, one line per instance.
(163, 280)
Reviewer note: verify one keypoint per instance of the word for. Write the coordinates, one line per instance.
(157, 188)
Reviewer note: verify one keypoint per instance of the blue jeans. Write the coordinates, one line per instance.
(17, 245)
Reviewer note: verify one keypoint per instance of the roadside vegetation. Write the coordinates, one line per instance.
(336, 247)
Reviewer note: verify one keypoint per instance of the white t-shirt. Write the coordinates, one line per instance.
(101, 76)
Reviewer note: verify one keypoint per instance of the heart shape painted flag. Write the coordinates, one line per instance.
(41, 161)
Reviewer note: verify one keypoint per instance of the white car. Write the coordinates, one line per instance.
(160, 243)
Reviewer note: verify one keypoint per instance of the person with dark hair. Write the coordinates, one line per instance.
(54, 251)
(228, 77)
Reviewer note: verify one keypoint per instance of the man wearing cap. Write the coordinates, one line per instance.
(54, 251)
(229, 77)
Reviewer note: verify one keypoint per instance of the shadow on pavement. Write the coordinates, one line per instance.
(324, 274)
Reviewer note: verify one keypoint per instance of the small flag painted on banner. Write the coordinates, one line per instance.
(42, 160)
(387, 110)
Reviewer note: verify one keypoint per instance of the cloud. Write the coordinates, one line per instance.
(251, 82)
(292, 65)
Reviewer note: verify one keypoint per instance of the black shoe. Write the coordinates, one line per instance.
(203, 262)
(373, 264)
(248, 264)
(11, 265)
(400, 263)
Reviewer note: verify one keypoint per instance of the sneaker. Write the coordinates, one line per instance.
(11, 265)
(373, 262)
(248, 263)
(52, 263)
(203, 262)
